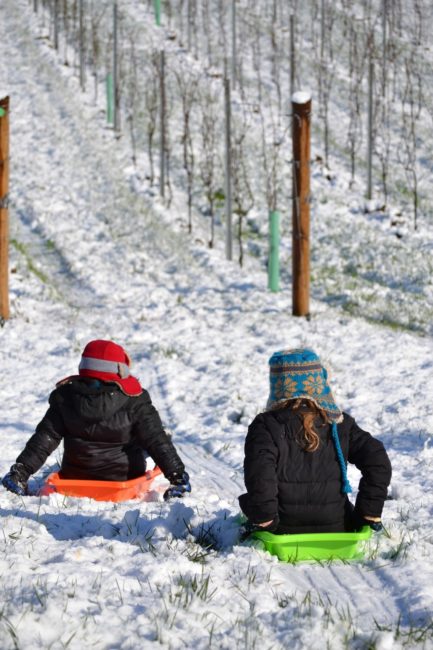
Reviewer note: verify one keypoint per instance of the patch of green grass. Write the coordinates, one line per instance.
(402, 189)
(411, 636)
(397, 326)
(22, 249)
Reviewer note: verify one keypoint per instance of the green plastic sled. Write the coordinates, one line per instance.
(315, 546)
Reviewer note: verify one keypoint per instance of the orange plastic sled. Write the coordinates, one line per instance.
(101, 490)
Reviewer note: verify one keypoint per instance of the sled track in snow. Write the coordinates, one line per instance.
(97, 204)
(210, 472)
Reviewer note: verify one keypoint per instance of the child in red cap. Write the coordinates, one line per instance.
(108, 425)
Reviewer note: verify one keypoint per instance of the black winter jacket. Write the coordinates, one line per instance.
(105, 434)
(303, 489)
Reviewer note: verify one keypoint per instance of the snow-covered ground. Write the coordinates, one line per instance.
(93, 258)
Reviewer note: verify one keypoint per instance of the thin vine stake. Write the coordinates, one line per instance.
(4, 212)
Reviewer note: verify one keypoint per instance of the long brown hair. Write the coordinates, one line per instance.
(309, 412)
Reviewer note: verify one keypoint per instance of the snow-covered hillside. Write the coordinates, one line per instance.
(93, 256)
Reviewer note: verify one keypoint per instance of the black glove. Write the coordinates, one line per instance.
(179, 484)
(359, 522)
(249, 527)
(374, 525)
(16, 479)
(272, 527)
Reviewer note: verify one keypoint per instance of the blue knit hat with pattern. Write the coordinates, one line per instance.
(299, 374)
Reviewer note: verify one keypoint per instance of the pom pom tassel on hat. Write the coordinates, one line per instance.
(346, 488)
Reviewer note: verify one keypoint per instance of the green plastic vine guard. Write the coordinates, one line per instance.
(274, 245)
(315, 546)
(157, 4)
(2, 112)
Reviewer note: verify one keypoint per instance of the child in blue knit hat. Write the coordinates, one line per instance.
(296, 454)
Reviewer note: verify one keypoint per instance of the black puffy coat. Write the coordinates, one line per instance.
(106, 434)
(303, 489)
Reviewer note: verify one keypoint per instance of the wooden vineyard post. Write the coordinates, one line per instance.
(234, 44)
(4, 216)
(370, 127)
(116, 111)
(56, 25)
(292, 55)
(81, 45)
(301, 112)
(110, 100)
(228, 170)
(162, 118)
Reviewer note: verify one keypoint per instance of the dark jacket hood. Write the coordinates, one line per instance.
(91, 400)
